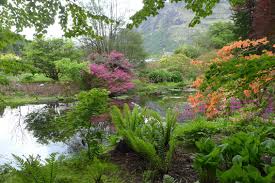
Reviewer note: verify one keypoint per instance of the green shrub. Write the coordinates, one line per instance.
(70, 69)
(101, 171)
(189, 51)
(175, 76)
(159, 76)
(192, 131)
(148, 134)
(90, 104)
(4, 80)
(239, 158)
(218, 35)
(27, 78)
(181, 63)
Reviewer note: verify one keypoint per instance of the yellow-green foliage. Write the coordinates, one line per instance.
(177, 62)
(12, 64)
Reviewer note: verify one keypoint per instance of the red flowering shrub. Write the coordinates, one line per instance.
(114, 71)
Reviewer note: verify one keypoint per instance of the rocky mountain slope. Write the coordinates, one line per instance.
(169, 29)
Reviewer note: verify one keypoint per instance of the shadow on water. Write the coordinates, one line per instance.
(24, 130)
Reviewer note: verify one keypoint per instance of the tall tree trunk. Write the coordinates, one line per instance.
(263, 24)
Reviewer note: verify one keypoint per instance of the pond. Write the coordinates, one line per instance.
(19, 138)
(16, 139)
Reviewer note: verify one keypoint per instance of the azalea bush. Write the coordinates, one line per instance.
(113, 72)
(244, 70)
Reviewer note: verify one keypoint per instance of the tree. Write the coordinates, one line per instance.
(43, 54)
(106, 31)
(71, 69)
(201, 8)
(248, 14)
(7, 38)
(130, 43)
(91, 104)
(242, 17)
(73, 18)
(218, 35)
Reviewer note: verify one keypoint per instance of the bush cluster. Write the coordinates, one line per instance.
(247, 156)
(160, 75)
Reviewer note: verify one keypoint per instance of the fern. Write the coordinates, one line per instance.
(148, 134)
(168, 179)
(32, 170)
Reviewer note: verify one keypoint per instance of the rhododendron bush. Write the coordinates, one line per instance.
(113, 72)
(244, 70)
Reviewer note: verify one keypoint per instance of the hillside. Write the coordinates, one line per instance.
(169, 29)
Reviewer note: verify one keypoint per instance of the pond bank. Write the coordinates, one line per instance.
(14, 101)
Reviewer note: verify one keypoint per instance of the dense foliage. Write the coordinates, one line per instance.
(148, 134)
(42, 54)
(13, 65)
(71, 69)
(91, 104)
(113, 71)
(218, 35)
(244, 69)
(189, 51)
(41, 14)
(246, 156)
(159, 76)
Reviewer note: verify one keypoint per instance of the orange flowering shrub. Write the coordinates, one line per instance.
(196, 62)
(240, 47)
(196, 100)
(243, 69)
(197, 83)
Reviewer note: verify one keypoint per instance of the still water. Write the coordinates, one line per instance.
(16, 139)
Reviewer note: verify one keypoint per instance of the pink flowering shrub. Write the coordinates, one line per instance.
(114, 72)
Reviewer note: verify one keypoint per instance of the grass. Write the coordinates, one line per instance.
(22, 100)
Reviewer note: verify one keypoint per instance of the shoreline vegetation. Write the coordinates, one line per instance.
(203, 113)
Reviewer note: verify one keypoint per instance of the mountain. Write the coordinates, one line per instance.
(169, 29)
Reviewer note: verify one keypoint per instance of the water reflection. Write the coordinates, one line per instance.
(161, 103)
(17, 139)
(47, 124)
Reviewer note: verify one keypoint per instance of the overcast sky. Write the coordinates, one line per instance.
(128, 7)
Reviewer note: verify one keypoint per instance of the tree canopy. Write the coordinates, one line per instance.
(72, 17)
(201, 8)
(75, 20)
